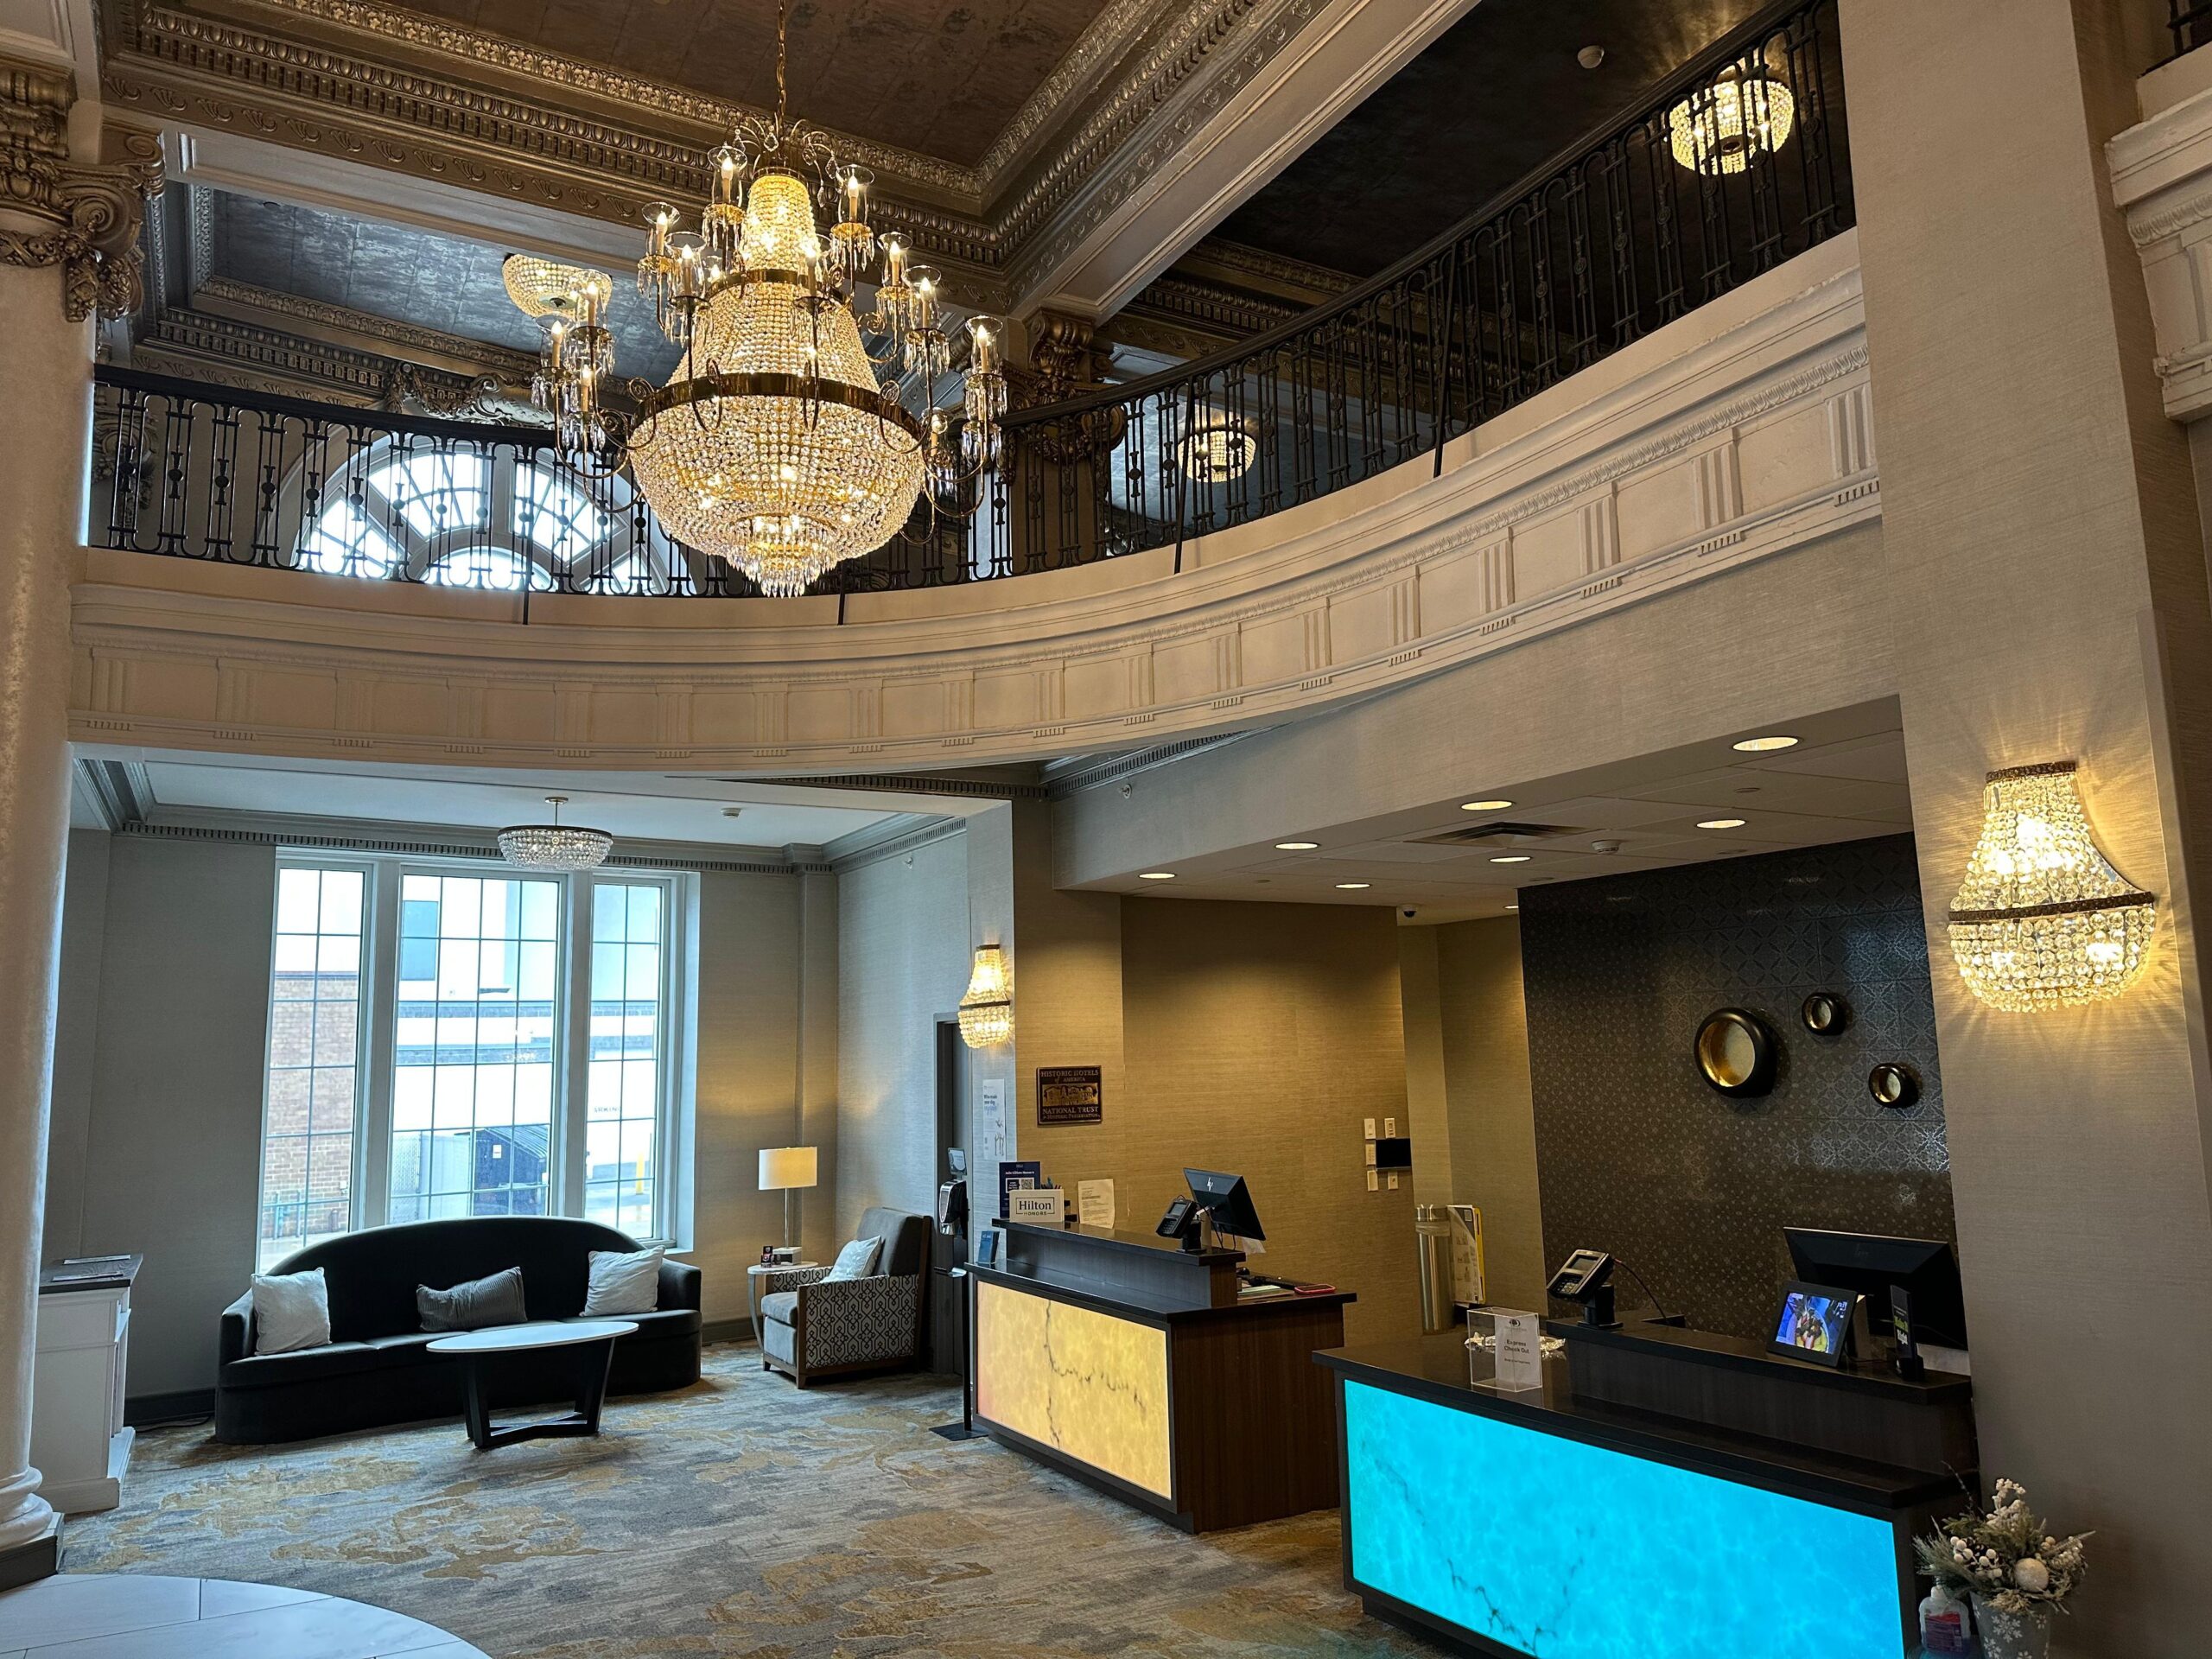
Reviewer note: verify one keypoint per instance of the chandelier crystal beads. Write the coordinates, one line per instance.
(986, 1009)
(554, 846)
(782, 442)
(1725, 127)
(2043, 920)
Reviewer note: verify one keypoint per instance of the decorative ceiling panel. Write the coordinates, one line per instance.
(942, 77)
(1499, 94)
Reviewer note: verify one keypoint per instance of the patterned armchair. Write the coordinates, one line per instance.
(810, 1329)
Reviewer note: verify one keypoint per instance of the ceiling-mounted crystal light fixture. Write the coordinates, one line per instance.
(1724, 127)
(782, 442)
(1216, 449)
(2043, 920)
(554, 846)
(987, 1010)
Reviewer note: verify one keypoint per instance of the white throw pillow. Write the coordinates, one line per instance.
(290, 1311)
(855, 1261)
(623, 1282)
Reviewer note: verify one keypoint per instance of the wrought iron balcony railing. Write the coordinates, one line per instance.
(1736, 164)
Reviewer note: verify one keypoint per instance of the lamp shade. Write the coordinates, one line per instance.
(783, 1167)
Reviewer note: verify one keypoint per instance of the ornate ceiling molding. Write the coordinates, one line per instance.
(374, 83)
(503, 361)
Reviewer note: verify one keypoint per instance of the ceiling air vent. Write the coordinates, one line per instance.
(1498, 832)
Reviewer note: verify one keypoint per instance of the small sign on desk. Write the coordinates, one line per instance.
(1517, 1360)
(1047, 1204)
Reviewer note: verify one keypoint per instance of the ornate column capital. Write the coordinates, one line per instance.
(83, 216)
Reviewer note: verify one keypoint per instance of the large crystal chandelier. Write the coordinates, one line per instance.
(782, 442)
(2043, 920)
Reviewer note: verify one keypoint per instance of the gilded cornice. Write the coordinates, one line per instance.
(514, 364)
(1061, 164)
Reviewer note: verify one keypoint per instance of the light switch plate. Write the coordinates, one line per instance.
(1369, 1130)
(1373, 1182)
(1370, 1154)
(1394, 1180)
(1389, 1126)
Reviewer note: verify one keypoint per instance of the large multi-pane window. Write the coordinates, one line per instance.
(309, 1108)
(473, 1063)
(459, 1040)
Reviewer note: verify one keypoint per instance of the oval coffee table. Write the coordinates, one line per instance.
(479, 1351)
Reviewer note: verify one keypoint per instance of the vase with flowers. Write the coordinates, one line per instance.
(2013, 1568)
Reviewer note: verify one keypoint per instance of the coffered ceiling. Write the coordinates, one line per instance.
(1039, 151)
(948, 79)
(1500, 94)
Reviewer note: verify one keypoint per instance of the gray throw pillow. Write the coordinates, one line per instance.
(856, 1261)
(495, 1298)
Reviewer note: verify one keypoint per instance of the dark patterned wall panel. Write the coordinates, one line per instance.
(1637, 1155)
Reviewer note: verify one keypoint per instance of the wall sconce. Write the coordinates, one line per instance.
(2043, 920)
(987, 1010)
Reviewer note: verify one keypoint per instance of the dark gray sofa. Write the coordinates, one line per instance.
(376, 1369)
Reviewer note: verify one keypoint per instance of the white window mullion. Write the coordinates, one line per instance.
(380, 1015)
(572, 1083)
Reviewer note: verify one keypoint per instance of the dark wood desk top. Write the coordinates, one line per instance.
(1437, 1369)
(1147, 1308)
(1107, 1238)
(1738, 1353)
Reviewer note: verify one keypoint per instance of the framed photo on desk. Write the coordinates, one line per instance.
(1815, 1323)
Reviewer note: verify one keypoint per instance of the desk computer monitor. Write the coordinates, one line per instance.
(1225, 1199)
(1869, 1263)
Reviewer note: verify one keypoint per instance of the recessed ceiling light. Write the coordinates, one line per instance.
(1510, 858)
(1296, 846)
(1591, 56)
(1720, 824)
(1155, 875)
(1484, 806)
(1761, 745)
(1351, 887)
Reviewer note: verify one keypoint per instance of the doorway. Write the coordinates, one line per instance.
(945, 1251)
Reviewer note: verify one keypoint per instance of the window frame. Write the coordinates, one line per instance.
(375, 1033)
(363, 1021)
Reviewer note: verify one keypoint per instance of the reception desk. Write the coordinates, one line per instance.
(1559, 1524)
(1136, 1367)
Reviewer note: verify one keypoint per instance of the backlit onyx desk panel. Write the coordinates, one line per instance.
(1545, 1525)
(1113, 1359)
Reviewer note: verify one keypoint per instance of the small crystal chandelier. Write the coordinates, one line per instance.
(2043, 920)
(987, 1010)
(781, 442)
(576, 354)
(1722, 128)
(1216, 449)
(554, 846)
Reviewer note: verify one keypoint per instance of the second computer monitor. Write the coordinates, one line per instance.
(1225, 1198)
(1870, 1263)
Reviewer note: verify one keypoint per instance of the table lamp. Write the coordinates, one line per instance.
(784, 1168)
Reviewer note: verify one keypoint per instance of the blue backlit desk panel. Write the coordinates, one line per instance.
(1537, 1525)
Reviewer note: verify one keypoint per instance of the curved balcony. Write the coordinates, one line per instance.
(1630, 372)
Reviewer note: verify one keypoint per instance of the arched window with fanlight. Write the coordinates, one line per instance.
(489, 517)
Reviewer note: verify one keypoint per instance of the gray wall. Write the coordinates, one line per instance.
(1491, 1120)
(155, 1143)
(168, 1118)
(903, 959)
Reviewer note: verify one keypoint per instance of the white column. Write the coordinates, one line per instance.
(45, 423)
(65, 236)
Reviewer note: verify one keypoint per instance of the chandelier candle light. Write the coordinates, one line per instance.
(554, 846)
(2043, 920)
(781, 443)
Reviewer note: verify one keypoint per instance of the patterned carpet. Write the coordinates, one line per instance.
(740, 1518)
